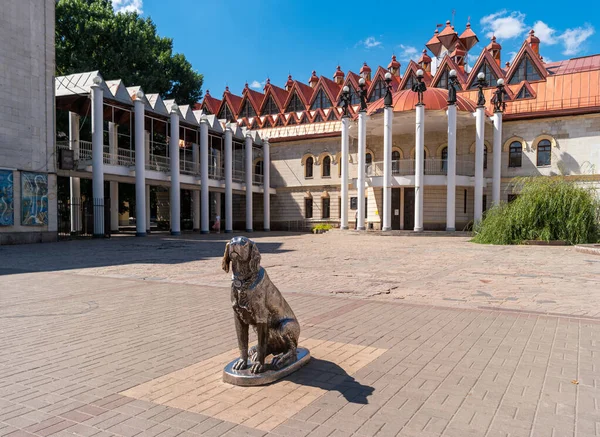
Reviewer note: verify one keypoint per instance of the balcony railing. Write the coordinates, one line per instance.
(215, 172)
(433, 166)
(158, 163)
(258, 179)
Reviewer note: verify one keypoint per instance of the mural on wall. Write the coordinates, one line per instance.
(6, 198)
(34, 199)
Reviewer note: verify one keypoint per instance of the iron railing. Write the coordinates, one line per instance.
(433, 166)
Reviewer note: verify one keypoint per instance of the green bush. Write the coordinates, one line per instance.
(546, 209)
(322, 227)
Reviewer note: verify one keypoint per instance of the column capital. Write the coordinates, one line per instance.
(228, 127)
(139, 96)
(248, 135)
(174, 109)
(96, 82)
(203, 119)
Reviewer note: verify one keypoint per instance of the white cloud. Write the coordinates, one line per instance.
(407, 53)
(572, 39)
(128, 6)
(545, 33)
(257, 85)
(370, 43)
(504, 24)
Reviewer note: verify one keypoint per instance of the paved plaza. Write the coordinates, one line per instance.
(410, 336)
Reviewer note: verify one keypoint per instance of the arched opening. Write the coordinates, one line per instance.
(308, 167)
(326, 167)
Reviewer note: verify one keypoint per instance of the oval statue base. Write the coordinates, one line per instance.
(247, 378)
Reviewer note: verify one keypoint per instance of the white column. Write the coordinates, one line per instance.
(344, 163)
(497, 169)
(175, 200)
(147, 146)
(113, 145)
(362, 149)
(204, 203)
(75, 182)
(387, 168)
(419, 165)
(228, 179)
(218, 196)
(147, 209)
(140, 165)
(248, 177)
(267, 184)
(114, 206)
(479, 132)
(402, 208)
(98, 156)
(196, 193)
(451, 169)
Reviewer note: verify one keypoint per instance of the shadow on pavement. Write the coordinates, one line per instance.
(122, 249)
(331, 377)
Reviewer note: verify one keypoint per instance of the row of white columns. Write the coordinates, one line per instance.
(419, 167)
(200, 198)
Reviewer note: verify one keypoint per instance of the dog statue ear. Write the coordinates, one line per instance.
(254, 258)
(226, 260)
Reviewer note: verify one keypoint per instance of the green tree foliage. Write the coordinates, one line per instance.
(91, 36)
(546, 209)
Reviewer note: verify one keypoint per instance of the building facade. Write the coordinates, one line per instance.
(27, 163)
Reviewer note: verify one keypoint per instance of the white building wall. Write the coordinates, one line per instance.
(27, 107)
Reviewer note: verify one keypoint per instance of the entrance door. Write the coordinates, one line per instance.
(409, 208)
(396, 208)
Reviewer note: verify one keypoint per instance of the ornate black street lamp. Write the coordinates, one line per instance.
(481, 83)
(362, 94)
(345, 97)
(498, 99)
(419, 87)
(387, 101)
(452, 81)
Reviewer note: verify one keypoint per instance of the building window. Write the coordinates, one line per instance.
(484, 157)
(270, 107)
(485, 202)
(258, 171)
(525, 71)
(326, 210)
(395, 162)
(515, 154)
(308, 168)
(490, 77)
(465, 203)
(247, 110)
(339, 207)
(443, 82)
(308, 207)
(321, 101)
(368, 162)
(353, 203)
(445, 160)
(226, 114)
(378, 91)
(326, 167)
(524, 94)
(295, 104)
(512, 197)
(354, 98)
(543, 153)
(410, 82)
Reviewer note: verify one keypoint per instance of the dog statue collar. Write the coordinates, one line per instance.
(238, 283)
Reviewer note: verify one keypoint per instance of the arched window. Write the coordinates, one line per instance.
(515, 154)
(484, 157)
(308, 168)
(395, 162)
(258, 171)
(368, 162)
(445, 160)
(326, 167)
(544, 153)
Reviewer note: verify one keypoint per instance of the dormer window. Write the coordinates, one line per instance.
(354, 98)
(490, 77)
(270, 107)
(524, 94)
(378, 91)
(525, 71)
(321, 101)
(247, 110)
(295, 104)
(410, 82)
(226, 114)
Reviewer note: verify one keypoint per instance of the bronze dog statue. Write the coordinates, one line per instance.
(257, 302)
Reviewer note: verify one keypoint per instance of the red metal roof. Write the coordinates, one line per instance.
(435, 99)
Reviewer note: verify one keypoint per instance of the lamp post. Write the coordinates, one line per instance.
(479, 135)
(451, 156)
(419, 88)
(499, 107)
(362, 147)
(345, 98)
(387, 154)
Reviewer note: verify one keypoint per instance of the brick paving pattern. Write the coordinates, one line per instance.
(128, 338)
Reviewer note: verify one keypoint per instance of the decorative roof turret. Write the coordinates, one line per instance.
(365, 71)
(313, 79)
(494, 48)
(434, 44)
(468, 38)
(425, 61)
(289, 83)
(448, 37)
(534, 42)
(394, 66)
(338, 76)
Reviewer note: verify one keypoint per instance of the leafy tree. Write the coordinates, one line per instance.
(91, 36)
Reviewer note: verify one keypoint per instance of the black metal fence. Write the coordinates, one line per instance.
(76, 217)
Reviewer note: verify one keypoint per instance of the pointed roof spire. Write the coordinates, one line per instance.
(313, 79)
(468, 38)
(289, 83)
(448, 36)
(424, 58)
(246, 86)
(434, 43)
(365, 68)
(339, 75)
(534, 42)
(393, 63)
(493, 45)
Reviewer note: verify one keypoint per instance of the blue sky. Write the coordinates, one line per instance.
(234, 41)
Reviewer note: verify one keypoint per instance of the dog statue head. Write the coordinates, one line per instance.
(243, 253)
